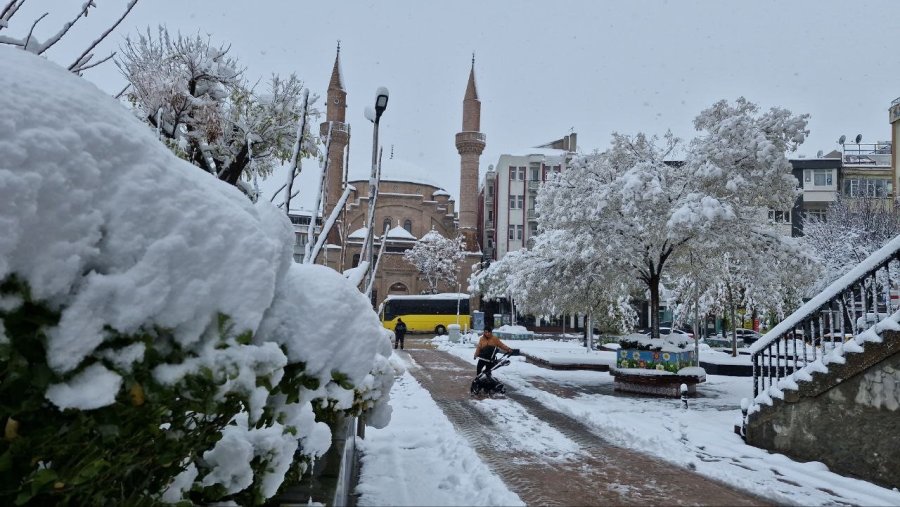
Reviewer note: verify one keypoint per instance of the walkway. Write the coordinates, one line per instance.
(600, 474)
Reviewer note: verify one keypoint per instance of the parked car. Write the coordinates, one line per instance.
(747, 336)
(668, 330)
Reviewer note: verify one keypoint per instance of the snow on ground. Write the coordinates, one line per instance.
(524, 432)
(419, 459)
(699, 438)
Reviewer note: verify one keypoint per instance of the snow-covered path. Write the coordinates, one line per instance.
(421, 458)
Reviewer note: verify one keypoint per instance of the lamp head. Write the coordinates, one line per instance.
(381, 100)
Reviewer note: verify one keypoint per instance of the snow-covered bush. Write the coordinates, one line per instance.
(156, 340)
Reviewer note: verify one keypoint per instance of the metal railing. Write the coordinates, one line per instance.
(489, 225)
(850, 305)
(532, 214)
(534, 185)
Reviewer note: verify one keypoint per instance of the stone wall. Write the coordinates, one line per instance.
(848, 418)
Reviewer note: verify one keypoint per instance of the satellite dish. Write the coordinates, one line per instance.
(819, 154)
(858, 138)
(841, 140)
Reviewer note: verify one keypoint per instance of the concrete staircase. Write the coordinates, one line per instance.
(821, 397)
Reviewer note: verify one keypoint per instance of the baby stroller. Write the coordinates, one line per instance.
(484, 382)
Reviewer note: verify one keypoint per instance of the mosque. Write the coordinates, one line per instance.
(408, 205)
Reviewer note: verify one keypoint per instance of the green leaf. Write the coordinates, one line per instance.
(6, 461)
(41, 479)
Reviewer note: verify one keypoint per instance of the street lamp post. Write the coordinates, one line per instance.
(381, 100)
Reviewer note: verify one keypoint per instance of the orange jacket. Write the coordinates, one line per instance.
(486, 340)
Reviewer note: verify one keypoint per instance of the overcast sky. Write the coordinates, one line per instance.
(544, 68)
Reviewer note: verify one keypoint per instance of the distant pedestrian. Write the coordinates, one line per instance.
(399, 332)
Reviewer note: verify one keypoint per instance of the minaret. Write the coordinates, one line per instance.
(470, 143)
(335, 113)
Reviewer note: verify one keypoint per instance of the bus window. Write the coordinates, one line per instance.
(388, 309)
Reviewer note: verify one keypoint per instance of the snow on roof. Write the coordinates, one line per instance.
(446, 295)
(440, 192)
(394, 169)
(400, 233)
(432, 235)
(359, 233)
(547, 152)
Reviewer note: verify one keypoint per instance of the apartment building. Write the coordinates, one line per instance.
(507, 217)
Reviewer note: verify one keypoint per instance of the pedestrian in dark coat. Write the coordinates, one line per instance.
(399, 332)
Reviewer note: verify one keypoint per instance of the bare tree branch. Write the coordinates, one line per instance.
(75, 67)
(122, 92)
(65, 28)
(9, 11)
(91, 66)
(31, 31)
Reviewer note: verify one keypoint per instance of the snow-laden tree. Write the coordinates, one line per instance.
(852, 229)
(29, 41)
(195, 96)
(553, 278)
(638, 216)
(437, 259)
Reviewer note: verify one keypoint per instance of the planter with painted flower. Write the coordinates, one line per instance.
(656, 366)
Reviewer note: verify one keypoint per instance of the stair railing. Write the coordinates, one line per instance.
(850, 305)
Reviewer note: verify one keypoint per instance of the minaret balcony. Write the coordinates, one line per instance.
(470, 142)
(471, 136)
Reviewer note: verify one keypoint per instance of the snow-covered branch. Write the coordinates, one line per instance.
(436, 258)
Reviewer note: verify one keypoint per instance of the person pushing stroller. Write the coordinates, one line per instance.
(486, 350)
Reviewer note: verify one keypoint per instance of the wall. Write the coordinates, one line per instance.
(848, 418)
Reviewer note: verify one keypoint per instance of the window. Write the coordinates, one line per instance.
(490, 215)
(355, 260)
(780, 217)
(535, 173)
(386, 225)
(512, 232)
(816, 213)
(867, 187)
(490, 191)
(398, 288)
(516, 201)
(490, 243)
(519, 229)
(521, 174)
(407, 224)
(557, 169)
(532, 230)
(822, 177)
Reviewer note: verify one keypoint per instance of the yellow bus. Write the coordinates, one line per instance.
(426, 313)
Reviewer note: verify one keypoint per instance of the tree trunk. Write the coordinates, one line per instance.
(653, 285)
(733, 312)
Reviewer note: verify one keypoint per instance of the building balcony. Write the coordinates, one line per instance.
(534, 185)
(532, 214)
(489, 225)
